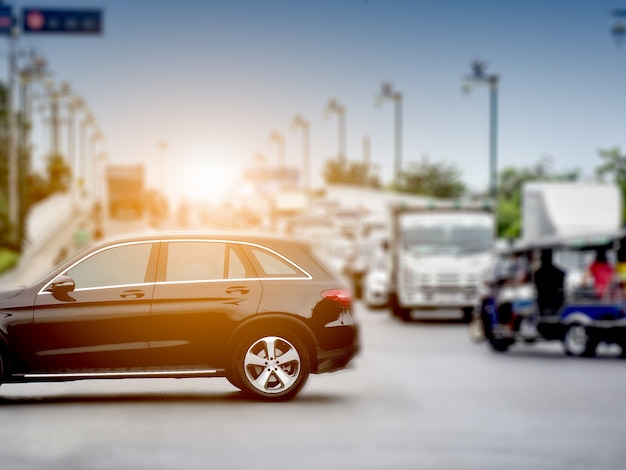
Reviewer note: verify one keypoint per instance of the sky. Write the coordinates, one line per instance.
(213, 79)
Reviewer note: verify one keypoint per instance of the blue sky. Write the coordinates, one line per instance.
(215, 78)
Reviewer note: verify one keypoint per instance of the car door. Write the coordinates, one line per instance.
(203, 289)
(102, 323)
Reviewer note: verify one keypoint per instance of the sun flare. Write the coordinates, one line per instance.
(206, 175)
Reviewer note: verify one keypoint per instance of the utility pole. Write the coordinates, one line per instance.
(367, 152)
(333, 107)
(387, 92)
(301, 123)
(277, 138)
(13, 176)
(478, 75)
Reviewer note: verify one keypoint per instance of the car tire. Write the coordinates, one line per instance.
(397, 311)
(259, 369)
(577, 341)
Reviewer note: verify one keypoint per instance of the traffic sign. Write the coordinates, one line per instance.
(62, 20)
(6, 19)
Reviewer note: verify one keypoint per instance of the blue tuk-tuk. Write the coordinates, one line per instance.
(522, 304)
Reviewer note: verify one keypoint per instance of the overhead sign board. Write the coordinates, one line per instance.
(62, 20)
(6, 19)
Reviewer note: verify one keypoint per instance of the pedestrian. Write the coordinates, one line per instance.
(549, 281)
(601, 272)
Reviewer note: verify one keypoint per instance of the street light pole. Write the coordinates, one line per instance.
(387, 92)
(277, 138)
(333, 107)
(95, 138)
(478, 75)
(12, 156)
(84, 159)
(301, 123)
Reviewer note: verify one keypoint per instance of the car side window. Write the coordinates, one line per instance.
(115, 266)
(195, 261)
(272, 265)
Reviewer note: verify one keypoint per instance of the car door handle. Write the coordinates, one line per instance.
(240, 289)
(132, 294)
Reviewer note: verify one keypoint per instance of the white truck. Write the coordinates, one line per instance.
(441, 253)
(126, 191)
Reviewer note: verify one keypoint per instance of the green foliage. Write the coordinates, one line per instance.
(59, 174)
(8, 259)
(510, 182)
(431, 179)
(32, 187)
(614, 166)
(509, 218)
(340, 171)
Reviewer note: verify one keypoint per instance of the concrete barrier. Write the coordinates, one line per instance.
(46, 219)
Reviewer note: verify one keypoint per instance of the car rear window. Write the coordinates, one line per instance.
(271, 265)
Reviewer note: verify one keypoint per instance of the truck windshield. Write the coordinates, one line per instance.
(448, 239)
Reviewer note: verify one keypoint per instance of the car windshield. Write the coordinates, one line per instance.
(448, 239)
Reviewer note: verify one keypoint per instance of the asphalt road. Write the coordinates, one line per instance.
(419, 396)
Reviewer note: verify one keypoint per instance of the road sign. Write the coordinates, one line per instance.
(62, 20)
(6, 19)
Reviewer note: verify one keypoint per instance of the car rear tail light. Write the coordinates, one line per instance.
(341, 296)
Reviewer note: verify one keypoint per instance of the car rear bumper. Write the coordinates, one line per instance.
(335, 359)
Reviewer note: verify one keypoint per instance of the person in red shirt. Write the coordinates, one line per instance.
(601, 272)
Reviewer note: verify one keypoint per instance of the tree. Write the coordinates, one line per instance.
(59, 174)
(340, 171)
(510, 182)
(614, 166)
(32, 186)
(431, 179)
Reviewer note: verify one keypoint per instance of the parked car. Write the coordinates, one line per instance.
(263, 312)
(377, 280)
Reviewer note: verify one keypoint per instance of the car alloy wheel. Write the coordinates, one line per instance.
(577, 342)
(273, 366)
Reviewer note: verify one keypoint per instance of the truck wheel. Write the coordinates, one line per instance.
(272, 365)
(468, 314)
(577, 341)
(397, 311)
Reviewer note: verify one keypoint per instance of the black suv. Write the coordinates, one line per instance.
(261, 311)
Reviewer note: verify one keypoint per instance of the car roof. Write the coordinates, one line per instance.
(250, 237)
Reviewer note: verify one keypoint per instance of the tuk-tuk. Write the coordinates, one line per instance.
(526, 303)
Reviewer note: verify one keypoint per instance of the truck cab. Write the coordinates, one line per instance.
(442, 253)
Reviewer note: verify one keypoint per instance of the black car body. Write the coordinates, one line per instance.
(262, 311)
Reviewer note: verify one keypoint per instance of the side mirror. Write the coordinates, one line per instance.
(61, 287)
